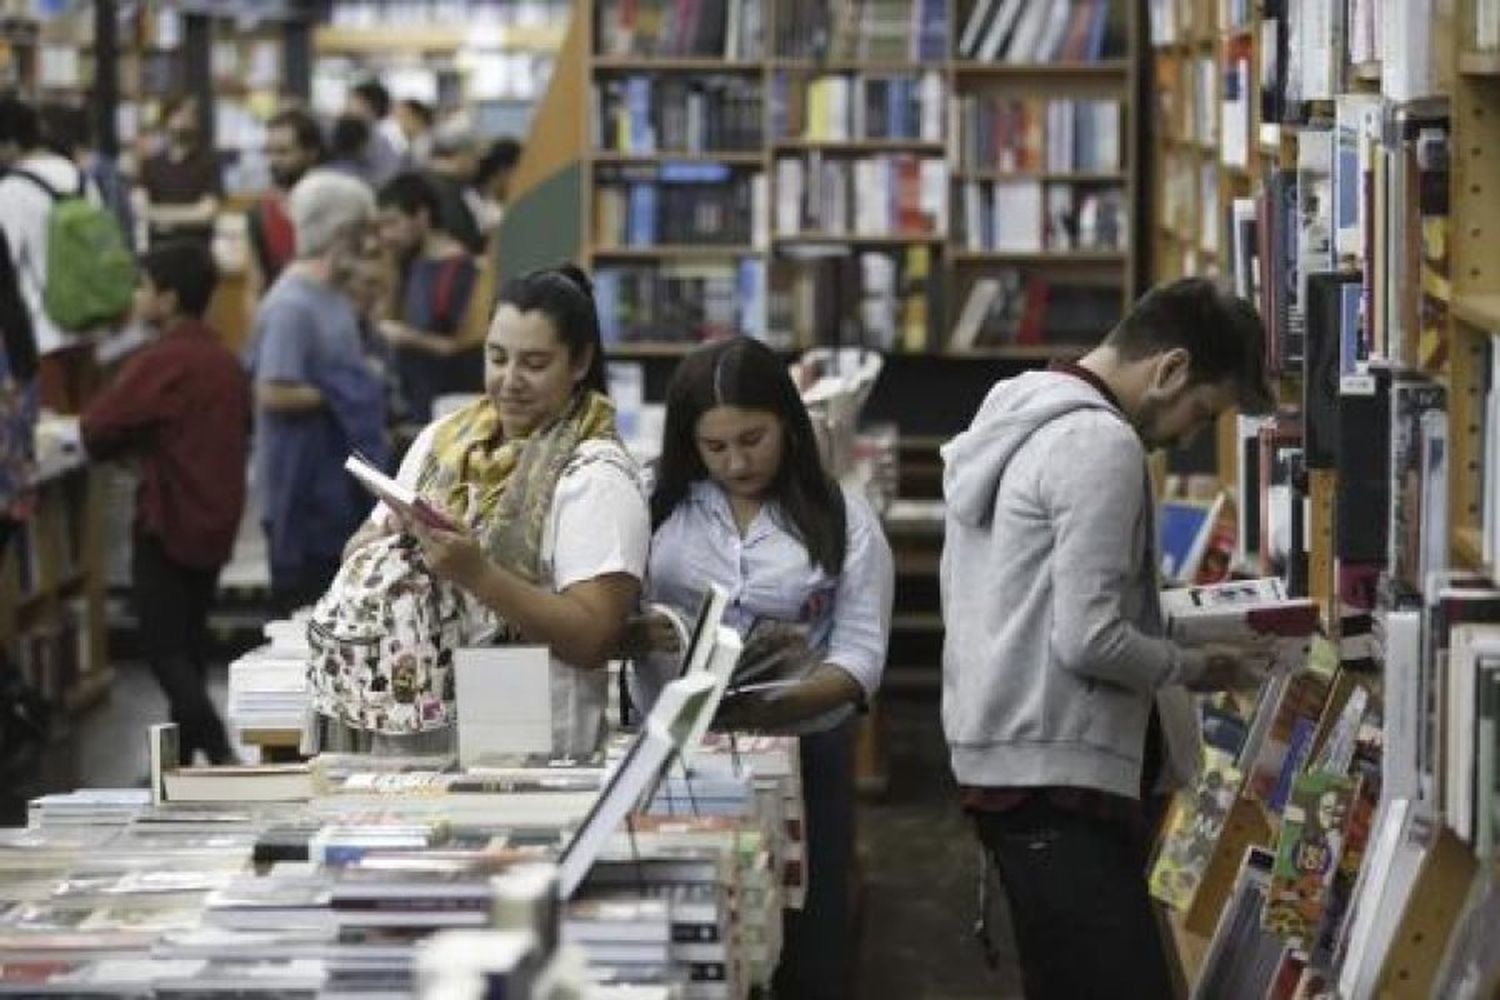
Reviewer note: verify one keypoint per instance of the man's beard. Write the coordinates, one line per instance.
(286, 179)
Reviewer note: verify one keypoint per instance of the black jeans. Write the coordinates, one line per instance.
(172, 603)
(817, 949)
(1076, 885)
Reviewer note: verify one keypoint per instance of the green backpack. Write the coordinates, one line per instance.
(90, 269)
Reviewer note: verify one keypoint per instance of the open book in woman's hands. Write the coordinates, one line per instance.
(405, 501)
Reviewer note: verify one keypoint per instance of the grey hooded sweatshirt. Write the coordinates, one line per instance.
(1053, 653)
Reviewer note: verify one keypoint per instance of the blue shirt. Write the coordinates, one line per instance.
(307, 332)
(768, 575)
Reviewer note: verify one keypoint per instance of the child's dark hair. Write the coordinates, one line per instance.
(745, 373)
(565, 296)
(187, 268)
(411, 192)
(19, 122)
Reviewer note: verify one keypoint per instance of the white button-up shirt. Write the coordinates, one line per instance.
(768, 575)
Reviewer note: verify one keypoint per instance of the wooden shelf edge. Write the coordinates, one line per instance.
(1480, 310)
(1039, 257)
(1468, 549)
(738, 156)
(1479, 63)
(1102, 67)
(432, 38)
(876, 239)
(676, 64)
(1054, 176)
(861, 145)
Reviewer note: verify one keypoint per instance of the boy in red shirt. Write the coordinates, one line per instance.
(181, 408)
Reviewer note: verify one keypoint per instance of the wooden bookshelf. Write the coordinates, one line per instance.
(52, 618)
(423, 38)
(597, 66)
(1406, 282)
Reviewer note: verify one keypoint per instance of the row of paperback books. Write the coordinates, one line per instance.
(1031, 135)
(708, 114)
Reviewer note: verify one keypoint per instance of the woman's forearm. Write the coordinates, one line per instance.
(583, 625)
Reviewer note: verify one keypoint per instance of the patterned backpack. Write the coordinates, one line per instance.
(383, 637)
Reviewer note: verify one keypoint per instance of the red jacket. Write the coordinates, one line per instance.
(182, 407)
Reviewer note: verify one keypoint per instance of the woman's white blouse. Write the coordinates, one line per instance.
(768, 575)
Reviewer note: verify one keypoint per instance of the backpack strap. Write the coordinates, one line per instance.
(442, 292)
(50, 191)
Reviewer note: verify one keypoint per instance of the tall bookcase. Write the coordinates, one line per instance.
(1360, 214)
(812, 173)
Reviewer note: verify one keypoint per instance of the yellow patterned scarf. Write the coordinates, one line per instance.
(503, 489)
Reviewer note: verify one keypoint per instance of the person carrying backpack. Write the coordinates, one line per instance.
(75, 269)
(436, 334)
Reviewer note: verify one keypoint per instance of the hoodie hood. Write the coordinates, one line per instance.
(975, 460)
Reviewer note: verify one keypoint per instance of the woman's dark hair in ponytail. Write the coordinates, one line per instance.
(565, 296)
(745, 373)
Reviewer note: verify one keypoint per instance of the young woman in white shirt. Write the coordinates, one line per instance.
(539, 453)
(741, 499)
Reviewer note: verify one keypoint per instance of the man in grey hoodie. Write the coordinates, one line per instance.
(1054, 665)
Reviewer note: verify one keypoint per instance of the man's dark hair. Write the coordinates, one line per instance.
(66, 128)
(504, 153)
(19, 123)
(409, 193)
(302, 125)
(373, 93)
(1221, 332)
(350, 136)
(421, 109)
(186, 267)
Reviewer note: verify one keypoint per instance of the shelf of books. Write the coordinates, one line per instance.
(1335, 163)
(920, 176)
(51, 585)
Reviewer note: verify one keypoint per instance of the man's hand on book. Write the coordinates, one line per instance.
(1223, 667)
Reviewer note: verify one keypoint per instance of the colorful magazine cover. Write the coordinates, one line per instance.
(1194, 830)
(1313, 830)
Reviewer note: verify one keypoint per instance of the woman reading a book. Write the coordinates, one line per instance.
(741, 500)
(549, 528)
